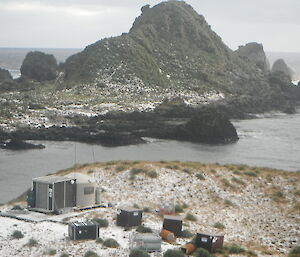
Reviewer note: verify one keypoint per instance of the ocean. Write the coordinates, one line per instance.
(270, 141)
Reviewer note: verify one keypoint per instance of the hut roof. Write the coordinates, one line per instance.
(80, 178)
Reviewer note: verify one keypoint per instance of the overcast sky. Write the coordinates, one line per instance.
(77, 23)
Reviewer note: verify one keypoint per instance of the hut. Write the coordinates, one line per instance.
(148, 242)
(129, 217)
(173, 224)
(53, 193)
(83, 230)
(209, 242)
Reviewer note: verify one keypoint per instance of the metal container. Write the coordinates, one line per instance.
(148, 242)
(129, 217)
(167, 235)
(209, 242)
(173, 224)
(83, 230)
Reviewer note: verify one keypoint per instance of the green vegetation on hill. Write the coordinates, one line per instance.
(169, 45)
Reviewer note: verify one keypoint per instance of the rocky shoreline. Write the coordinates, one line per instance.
(170, 120)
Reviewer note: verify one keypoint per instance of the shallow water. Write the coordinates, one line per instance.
(272, 141)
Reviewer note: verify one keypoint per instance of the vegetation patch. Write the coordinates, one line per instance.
(103, 223)
(295, 252)
(91, 254)
(226, 183)
(99, 240)
(143, 229)
(219, 225)
(278, 196)
(186, 233)
(200, 176)
(228, 203)
(120, 168)
(136, 171)
(250, 173)
(51, 252)
(238, 181)
(180, 207)
(17, 234)
(32, 242)
(187, 171)
(173, 253)
(190, 217)
(200, 252)
(234, 249)
(111, 243)
(152, 174)
(213, 171)
(146, 209)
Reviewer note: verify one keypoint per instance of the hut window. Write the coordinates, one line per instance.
(88, 190)
(203, 239)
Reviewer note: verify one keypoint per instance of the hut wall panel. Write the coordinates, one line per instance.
(42, 195)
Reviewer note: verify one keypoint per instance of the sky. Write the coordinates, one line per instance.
(78, 23)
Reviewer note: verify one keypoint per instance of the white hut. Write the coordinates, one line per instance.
(51, 193)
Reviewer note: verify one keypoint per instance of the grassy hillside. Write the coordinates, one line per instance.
(255, 208)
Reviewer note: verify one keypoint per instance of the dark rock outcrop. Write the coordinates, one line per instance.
(256, 54)
(18, 144)
(207, 124)
(39, 66)
(281, 66)
(5, 75)
(290, 110)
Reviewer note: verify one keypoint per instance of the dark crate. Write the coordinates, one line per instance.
(209, 242)
(129, 217)
(173, 224)
(83, 230)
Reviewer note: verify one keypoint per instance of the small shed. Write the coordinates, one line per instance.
(129, 217)
(51, 193)
(173, 224)
(148, 242)
(83, 230)
(209, 242)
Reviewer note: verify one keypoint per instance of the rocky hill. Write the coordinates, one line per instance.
(169, 45)
(256, 54)
(255, 208)
(281, 66)
(5, 75)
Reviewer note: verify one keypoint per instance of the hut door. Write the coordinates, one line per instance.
(50, 197)
(70, 193)
(59, 192)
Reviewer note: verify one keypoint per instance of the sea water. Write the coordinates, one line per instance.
(270, 141)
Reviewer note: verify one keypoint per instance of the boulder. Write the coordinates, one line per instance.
(5, 75)
(281, 66)
(39, 66)
(256, 54)
(209, 127)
